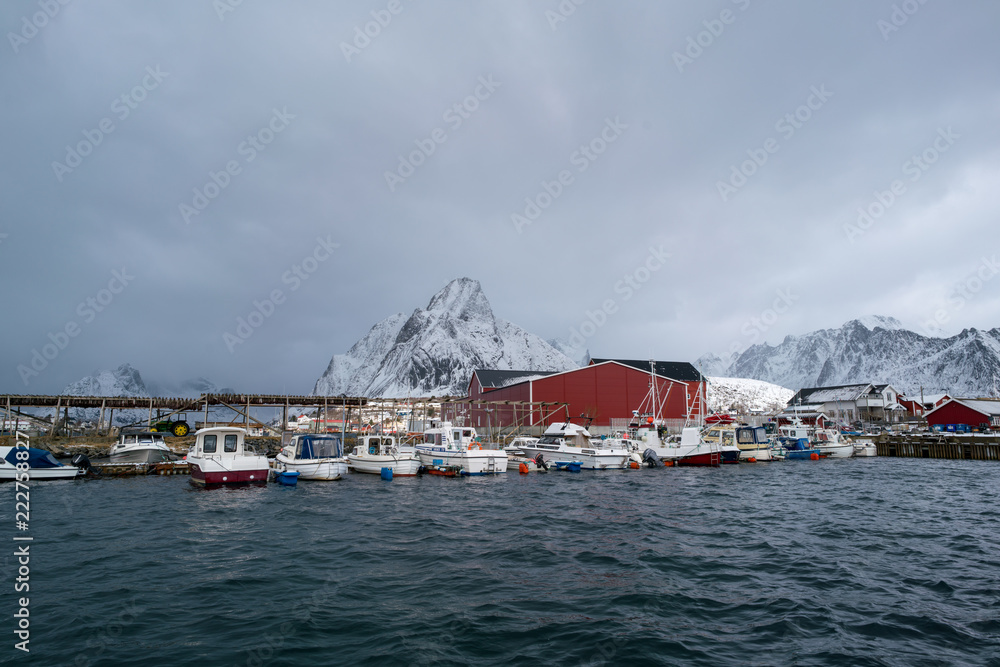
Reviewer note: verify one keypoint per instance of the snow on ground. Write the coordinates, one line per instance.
(744, 395)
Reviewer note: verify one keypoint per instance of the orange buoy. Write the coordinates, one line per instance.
(523, 468)
(752, 460)
(667, 464)
(633, 465)
(814, 456)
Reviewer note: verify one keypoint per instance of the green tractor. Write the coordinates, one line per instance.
(178, 426)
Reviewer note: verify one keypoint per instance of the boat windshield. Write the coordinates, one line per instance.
(744, 436)
(548, 440)
(319, 447)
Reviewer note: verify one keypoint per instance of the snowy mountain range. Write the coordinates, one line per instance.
(126, 381)
(873, 349)
(123, 381)
(433, 351)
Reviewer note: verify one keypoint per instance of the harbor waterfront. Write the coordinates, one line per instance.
(852, 561)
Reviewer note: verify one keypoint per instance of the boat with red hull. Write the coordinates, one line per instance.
(221, 457)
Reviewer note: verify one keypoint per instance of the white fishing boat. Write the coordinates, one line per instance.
(455, 447)
(864, 447)
(830, 445)
(220, 456)
(144, 447)
(565, 443)
(374, 452)
(316, 457)
(690, 450)
(41, 465)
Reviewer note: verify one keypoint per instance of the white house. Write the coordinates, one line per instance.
(853, 402)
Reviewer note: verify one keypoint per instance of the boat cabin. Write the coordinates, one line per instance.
(312, 447)
(222, 442)
(144, 438)
(450, 437)
(375, 445)
(572, 435)
(751, 437)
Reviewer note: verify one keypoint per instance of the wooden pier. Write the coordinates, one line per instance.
(939, 446)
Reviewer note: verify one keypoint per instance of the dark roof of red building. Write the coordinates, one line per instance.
(490, 379)
(682, 371)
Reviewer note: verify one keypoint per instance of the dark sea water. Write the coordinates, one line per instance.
(853, 562)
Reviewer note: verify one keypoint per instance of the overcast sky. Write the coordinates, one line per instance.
(116, 113)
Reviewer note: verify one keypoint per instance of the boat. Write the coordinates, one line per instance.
(221, 457)
(143, 447)
(374, 452)
(517, 458)
(829, 444)
(864, 447)
(41, 465)
(447, 446)
(724, 434)
(753, 443)
(564, 443)
(795, 440)
(690, 450)
(316, 457)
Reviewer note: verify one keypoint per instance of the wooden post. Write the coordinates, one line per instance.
(326, 427)
(149, 420)
(204, 421)
(55, 420)
(284, 415)
(100, 420)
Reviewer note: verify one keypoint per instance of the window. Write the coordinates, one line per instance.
(230, 445)
(209, 444)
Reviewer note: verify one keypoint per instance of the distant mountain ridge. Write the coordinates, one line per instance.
(127, 381)
(435, 349)
(873, 349)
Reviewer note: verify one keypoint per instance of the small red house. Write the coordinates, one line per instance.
(972, 412)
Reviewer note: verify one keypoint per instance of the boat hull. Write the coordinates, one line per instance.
(865, 449)
(802, 454)
(227, 477)
(471, 462)
(730, 455)
(401, 467)
(762, 454)
(588, 459)
(315, 470)
(143, 455)
(8, 473)
(703, 459)
(841, 451)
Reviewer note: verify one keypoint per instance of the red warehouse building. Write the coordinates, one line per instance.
(971, 412)
(606, 389)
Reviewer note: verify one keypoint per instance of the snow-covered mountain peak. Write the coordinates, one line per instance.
(123, 381)
(870, 322)
(462, 298)
(435, 350)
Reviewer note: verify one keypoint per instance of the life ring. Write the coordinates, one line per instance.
(473, 445)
